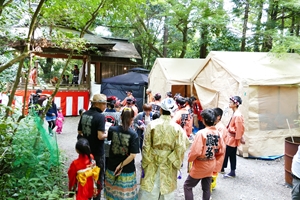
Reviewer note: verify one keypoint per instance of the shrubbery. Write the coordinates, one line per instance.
(30, 164)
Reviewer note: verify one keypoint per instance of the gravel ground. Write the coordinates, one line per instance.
(256, 179)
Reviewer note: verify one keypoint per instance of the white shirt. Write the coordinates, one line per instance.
(147, 119)
(296, 163)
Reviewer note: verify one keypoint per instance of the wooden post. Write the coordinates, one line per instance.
(88, 77)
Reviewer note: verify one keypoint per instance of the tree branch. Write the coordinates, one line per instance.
(94, 15)
(13, 61)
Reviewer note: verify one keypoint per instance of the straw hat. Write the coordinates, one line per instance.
(99, 98)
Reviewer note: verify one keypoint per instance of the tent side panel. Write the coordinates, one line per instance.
(158, 83)
(271, 110)
(119, 90)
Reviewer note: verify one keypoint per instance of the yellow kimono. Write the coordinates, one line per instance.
(164, 145)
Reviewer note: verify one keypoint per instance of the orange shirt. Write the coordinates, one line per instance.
(124, 102)
(183, 118)
(223, 134)
(210, 149)
(235, 129)
(222, 130)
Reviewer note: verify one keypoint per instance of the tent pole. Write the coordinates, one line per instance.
(144, 96)
(88, 80)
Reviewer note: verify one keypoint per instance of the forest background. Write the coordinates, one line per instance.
(157, 28)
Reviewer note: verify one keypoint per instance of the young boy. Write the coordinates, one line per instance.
(206, 152)
(223, 133)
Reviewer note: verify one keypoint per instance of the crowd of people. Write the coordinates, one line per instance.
(65, 79)
(162, 132)
(54, 116)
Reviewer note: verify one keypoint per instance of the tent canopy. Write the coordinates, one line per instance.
(130, 78)
(118, 85)
(172, 71)
(257, 68)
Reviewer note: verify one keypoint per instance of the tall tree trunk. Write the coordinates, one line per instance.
(297, 28)
(270, 25)
(203, 42)
(166, 37)
(47, 68)
(292, 28)
(282, 20)
(184, 41)
(15, 86)
(246, 16)
(3, 4)
(258, 26)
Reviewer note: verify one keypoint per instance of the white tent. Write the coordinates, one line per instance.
(269, 88)
(173, 74)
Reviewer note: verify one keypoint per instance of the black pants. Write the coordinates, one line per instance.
(231, 154)
(100, 162)
(190, 183)
(75, 80)
(51, 125)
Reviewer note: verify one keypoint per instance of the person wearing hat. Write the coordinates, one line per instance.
(235, 132)
(130, 103)
(92, 127)
(163, 151)
(129, 95)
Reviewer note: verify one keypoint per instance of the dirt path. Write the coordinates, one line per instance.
(256, 179)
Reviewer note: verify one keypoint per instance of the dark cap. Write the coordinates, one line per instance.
(112, 98)
(129, 91)
(236, 99)
(38, 91)
(129, 100)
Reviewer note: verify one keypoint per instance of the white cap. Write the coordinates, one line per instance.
(168, 104)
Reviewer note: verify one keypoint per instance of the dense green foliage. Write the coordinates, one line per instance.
(158, 28)
(30, 165)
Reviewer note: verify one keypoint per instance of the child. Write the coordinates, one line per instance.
(83, 172)
(205, 153)
(59, 121)
(223, 133)
(81, 111)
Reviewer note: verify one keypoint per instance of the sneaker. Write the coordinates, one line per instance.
(222, 171)
(229, 175)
